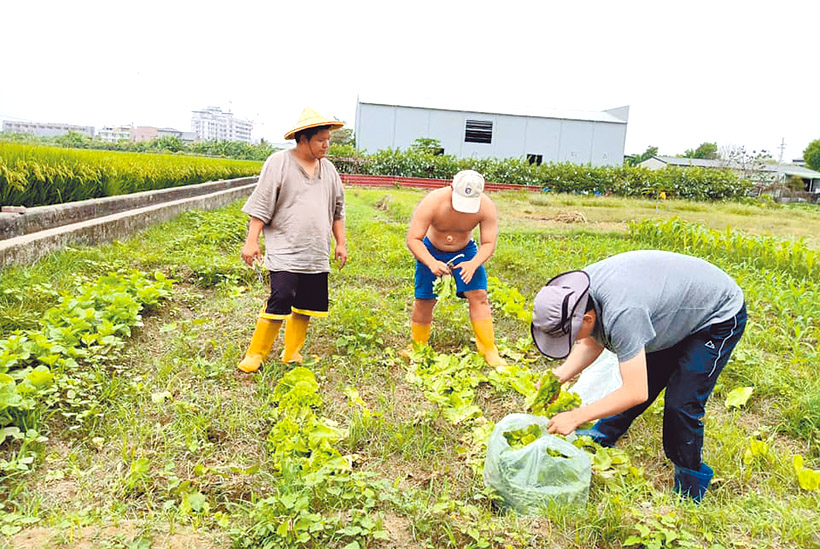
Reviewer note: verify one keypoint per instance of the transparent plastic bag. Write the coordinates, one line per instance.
(529, 478)
(599, 378)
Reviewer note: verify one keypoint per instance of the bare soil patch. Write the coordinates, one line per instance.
(89, 537)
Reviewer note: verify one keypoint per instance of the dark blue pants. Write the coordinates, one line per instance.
(688, 371)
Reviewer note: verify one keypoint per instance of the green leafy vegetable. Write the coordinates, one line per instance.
(444, 287)
(809, 479)
(519, 438)
(737, 398)
(548, 390)
(565, 401)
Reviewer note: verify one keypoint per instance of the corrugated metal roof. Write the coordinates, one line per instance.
(786, 169)
(697, 162)
(799, 171)
(561, 114)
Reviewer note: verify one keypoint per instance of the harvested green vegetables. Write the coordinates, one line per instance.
(550, 399)
(519, 438)
(548, 391)
(444, 287)
(565, 402)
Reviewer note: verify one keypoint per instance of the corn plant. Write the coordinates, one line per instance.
(789, 256)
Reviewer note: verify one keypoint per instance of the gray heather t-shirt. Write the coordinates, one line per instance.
(298, 212)
(652, 299)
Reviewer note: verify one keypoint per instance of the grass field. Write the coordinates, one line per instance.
(163, 443)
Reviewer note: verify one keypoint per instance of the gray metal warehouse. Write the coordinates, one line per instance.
(593, 138)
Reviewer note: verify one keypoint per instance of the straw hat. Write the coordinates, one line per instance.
(311, 119)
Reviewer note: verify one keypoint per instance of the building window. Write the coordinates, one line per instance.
(478, 131)
(535, 159)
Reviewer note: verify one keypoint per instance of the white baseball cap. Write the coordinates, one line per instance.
(467, 188)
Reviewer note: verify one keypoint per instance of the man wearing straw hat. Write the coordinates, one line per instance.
(672, 319)
(440, 237)
(297, 203)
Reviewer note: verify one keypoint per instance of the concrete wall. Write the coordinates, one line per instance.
(41, 218)
(93, 222)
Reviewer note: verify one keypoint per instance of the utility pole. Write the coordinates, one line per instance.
(782, 147)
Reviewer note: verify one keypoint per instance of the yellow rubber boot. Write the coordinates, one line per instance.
(485, 341)
(295, 332)
(420, 332)
(263, 337)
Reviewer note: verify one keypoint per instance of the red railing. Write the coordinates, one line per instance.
(420, 182)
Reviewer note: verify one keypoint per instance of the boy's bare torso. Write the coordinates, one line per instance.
(449, 230)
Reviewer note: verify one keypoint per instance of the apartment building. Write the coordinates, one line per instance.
(213, 123)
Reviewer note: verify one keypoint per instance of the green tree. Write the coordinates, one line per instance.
(812, 155)
(635, 159)
(426, 145)
(168, 143)
(343, 136)
(751, 166)
(74, 140)
(705, 150)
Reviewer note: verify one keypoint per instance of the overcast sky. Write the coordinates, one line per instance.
(738, 73)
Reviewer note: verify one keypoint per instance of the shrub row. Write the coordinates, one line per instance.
(690, 183)
(32, 175)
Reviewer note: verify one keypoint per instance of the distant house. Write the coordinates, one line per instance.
(46, 129)
(144, 133)
(112, 134)
(660, 162)
(281, 146)
(811, 178)
(580, 137)
(779, 173)
(185, 137)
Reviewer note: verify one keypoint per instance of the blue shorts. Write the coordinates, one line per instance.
(425, 277)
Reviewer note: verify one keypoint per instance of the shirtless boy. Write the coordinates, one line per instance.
(441, 238)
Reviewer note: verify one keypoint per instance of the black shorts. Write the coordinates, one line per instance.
(296, 292)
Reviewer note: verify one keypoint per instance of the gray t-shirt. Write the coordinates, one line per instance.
(652, 299)
(298, 212)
